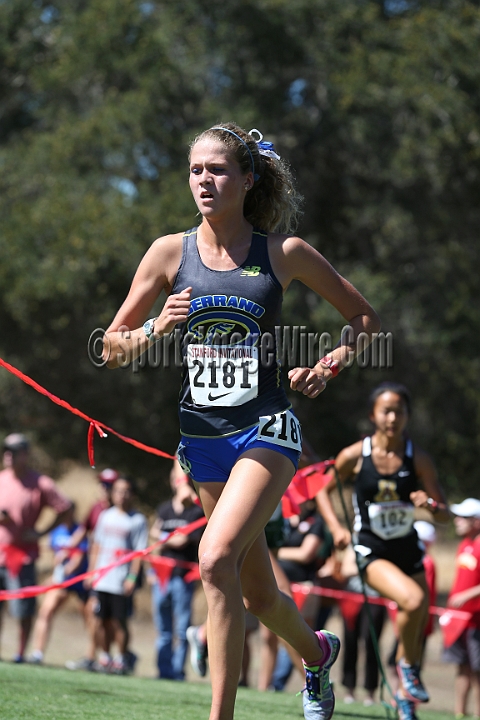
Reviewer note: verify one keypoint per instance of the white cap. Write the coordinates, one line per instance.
(425, 531)
(469, 508)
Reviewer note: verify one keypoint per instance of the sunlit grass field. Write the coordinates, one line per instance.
(42, 693)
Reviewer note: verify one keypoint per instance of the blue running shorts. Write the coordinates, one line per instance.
(211, 459)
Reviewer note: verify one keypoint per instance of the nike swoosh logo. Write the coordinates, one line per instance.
(217, 397)
(403, 473)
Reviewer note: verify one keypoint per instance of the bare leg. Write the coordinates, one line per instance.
(52, 602)
(411, 596)
(1, 618)
(284, 586)
(110, 632)
(121, 635)
(273, 608)
(476, 691)
(26, 625)
(233, 554)
(92, 627)
(268, 656)
(462, 689)
(101, 634)
(245, 660)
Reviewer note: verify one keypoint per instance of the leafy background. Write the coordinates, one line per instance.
(376, 106)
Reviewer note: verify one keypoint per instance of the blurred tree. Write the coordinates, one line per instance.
(376, 104)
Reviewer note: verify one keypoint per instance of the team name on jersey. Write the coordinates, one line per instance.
(232, 301)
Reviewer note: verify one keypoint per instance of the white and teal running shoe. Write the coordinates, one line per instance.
(318, 696)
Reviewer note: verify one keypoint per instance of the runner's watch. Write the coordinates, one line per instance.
(149, 328)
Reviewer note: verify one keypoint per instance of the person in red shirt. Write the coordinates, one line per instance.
(23, 495)
(465, 595)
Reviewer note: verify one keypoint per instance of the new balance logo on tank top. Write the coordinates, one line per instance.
(225, 385)
(383, 508)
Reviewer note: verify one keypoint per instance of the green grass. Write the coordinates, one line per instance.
(42, 693)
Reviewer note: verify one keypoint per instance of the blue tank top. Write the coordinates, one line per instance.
(231, 372)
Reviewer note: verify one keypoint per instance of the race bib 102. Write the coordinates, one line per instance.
(222, 376)
(281, 429)
(390, 520)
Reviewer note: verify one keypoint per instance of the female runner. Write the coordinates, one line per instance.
(225, 280)
(392, 477)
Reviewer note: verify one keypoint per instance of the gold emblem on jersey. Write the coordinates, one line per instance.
(387, 491)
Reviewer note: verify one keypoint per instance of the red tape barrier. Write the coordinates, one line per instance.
(95, 425)
(452, 622)
(307, 483)
(34, 590)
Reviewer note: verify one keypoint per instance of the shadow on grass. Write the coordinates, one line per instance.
(346, 713)
(93, 691)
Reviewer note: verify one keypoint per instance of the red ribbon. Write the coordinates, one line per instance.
(306, 483)
(94, 424)
(14, 559)
(350, 611)
(452, 625)
(34, 590)
(164, 566)
(453, 622)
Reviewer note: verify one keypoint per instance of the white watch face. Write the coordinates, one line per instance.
(148, 327)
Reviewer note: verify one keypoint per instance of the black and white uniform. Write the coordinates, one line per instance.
(384, 514)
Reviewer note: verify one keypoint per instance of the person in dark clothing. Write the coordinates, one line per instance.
(392, 477)
(172, 602)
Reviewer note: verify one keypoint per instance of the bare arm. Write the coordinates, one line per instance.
(156, 529)
(460, 598)
(30, 534)
(91, 564)
(57, 521)
(179, 540)
(293, 258)
(427, 474)
(305, 554)
(78, 536)
(74, 562)
(125, 339)
(131, 579)
(345, 463)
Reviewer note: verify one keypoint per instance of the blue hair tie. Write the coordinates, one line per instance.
(256, 176)
(264, 147)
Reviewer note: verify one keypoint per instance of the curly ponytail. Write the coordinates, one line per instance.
(273, 203)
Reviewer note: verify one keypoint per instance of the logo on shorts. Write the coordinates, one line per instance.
(185, 464)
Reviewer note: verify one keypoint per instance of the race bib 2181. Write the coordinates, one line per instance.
(222, 375)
